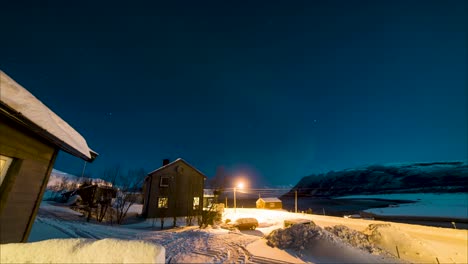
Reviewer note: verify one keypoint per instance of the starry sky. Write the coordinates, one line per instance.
(271, 90)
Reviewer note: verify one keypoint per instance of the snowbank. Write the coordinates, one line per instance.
(82, 251)
(416, 243)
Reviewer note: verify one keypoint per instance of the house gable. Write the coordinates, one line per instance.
(179, 165)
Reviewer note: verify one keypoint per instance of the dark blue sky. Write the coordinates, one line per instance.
(276, 90)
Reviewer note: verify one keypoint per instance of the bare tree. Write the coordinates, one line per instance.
(112, 174)
(218, 182)
(128, 192)
(102, 208)
(58, 189)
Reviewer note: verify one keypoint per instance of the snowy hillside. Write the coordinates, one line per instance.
(62, 182)
(442, 177)
(58, 177)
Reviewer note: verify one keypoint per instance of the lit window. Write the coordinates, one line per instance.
(196, 203)
(164, 182)
(209, 202)
(163, 202)
(5, 163)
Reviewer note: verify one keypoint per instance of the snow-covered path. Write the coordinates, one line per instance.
(183, 244)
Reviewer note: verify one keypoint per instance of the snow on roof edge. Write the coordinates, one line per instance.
(177, 160)
(26, 104)
(270, 199)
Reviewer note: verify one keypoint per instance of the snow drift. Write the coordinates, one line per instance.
(82, 251)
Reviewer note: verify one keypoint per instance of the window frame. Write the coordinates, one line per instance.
(196, 206)
(161, 184)
(5, 165)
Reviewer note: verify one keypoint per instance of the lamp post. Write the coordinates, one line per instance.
(240, 186)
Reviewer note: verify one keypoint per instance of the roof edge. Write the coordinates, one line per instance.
(173, 162)
(24, 121)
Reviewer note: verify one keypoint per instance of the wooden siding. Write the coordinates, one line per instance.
(268, 205)
(25, 181)
(183, 187)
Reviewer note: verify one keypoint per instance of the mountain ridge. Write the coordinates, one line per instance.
(438, 177)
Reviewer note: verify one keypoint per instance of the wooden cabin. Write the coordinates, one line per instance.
(175, 189)
(30, 137)
(269, 203)
(94, 194)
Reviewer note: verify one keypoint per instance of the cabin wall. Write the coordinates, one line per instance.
(273, 205)
(24, 184)
(183, 187)
(260, 204)
(269, 205)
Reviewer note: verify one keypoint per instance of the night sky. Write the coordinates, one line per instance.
(273, 90)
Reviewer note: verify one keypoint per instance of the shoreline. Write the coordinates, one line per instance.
(347, 206)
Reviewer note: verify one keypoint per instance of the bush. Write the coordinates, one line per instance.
(209, 218)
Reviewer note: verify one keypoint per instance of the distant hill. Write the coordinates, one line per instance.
(60, 182)
(376, 179)
(58, 178)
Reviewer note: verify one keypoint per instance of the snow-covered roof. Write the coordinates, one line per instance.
(270, 199)
(208, 192)
(175, 161)
(26, 109)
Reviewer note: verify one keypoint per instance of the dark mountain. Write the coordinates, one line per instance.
(377, 179)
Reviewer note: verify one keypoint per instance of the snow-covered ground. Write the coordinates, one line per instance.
(443, 205)
(82, 251)
(189, 244)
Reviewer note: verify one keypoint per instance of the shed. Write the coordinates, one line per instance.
(30, 137)
(269, 203)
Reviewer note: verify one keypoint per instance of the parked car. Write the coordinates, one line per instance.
(298, 221)
(246, 223)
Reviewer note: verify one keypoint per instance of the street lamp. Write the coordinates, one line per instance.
(240, 185)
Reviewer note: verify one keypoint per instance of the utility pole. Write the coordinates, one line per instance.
(295, 201)
(235, 208)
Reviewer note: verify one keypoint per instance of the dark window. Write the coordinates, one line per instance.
(164, 182)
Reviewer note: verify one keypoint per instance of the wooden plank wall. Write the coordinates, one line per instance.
(22, 189)
(182, 188)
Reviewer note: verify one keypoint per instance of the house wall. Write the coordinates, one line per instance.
(273, 205)
(24, 184)
(183, 186)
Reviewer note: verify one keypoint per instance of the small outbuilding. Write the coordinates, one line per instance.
(30, 137)
(269, 203)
